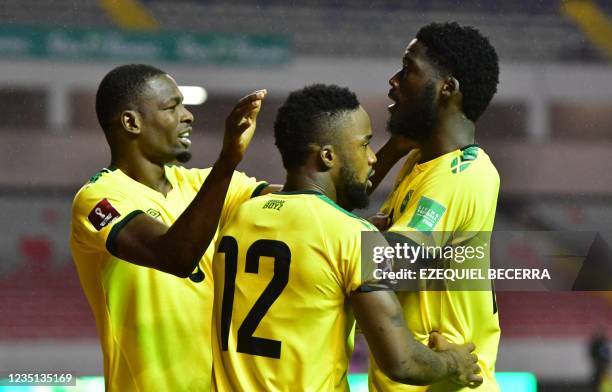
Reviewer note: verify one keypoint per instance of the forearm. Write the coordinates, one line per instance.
(397, 353)
(386, 158)
(178, 249)
(188, 238)
(425, 366)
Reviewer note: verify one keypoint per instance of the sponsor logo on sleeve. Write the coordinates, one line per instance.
(103, 214)
(153, 212)
(427, 215)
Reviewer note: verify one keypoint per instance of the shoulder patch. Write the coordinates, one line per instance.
(464, 161)
(102, 214)
(427, 215)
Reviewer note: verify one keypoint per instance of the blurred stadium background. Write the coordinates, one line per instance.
(548, 130)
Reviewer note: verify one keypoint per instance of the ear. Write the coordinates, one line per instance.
(131, 121)
(450, 87)
(328, 156)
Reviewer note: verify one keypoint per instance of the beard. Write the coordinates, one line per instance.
(183, 157)
(354, 193)
(418, 121)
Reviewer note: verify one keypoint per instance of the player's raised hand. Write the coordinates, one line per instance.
(466, 362)
(395, 148)
(240, 126)
(412, 159)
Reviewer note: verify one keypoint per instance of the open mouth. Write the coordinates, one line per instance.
(369, 182)
(391, 97)
(184, 138)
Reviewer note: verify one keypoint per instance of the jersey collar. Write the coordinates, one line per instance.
(300, 192)
(426, 165)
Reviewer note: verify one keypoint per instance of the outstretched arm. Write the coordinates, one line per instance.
(399, 355)
(177, 249)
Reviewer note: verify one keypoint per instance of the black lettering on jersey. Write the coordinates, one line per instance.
(273, 205)
(246, 342)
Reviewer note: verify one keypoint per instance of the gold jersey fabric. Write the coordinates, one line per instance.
(154, 327)
(454, 194)
(284, 268)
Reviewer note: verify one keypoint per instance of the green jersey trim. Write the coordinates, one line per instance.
(99, 174)
(470, 146)
(259, 189)
(329, 201)
(301, 192)
(110, 240)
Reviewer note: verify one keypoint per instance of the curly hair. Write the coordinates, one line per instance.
(467, 55)
(308, 116)
(120, 89)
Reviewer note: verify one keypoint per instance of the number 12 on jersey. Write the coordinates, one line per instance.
(246, 342)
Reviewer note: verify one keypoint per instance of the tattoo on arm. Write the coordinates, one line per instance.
(397, 319)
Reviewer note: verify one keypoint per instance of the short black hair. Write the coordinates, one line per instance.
(120, 89)
(467, 55)
(308, 116)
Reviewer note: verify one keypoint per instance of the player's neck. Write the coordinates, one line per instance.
(145, 172)
(301, 179)
(452, 133)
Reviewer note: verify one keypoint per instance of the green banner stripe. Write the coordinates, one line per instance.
(106, 44)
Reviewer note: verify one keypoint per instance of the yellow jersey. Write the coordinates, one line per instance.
(154, 327)
(452, 194)
(285, 267)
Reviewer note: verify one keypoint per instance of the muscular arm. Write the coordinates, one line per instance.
(394, 149)
(395, 350)
(177, 249)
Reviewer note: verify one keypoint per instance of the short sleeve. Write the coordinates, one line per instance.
(359, 272)
(241, 189)
(98, 215)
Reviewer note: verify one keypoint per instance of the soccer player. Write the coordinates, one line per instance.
(288, 267)
(448, 77)
(141, 227)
